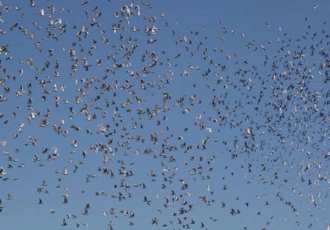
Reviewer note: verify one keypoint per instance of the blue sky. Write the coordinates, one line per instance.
(276, 177)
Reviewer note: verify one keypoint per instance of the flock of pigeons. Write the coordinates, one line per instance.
(166, 129)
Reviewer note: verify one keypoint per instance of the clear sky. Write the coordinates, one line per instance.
(215, 112)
